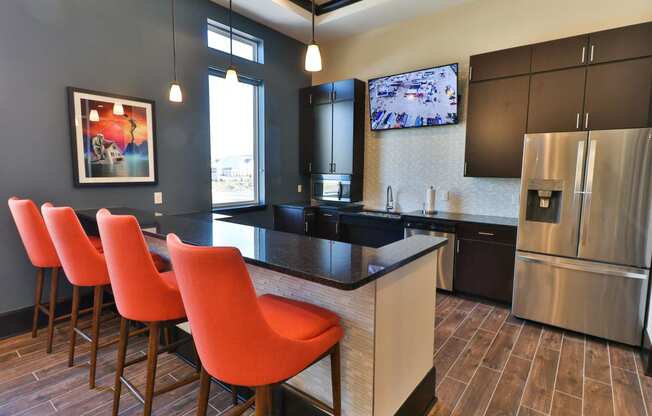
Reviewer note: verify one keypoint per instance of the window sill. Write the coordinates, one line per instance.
(239, 209)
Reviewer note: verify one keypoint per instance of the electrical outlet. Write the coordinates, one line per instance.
(158, 198)
(299, 188)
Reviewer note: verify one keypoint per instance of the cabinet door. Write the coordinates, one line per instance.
(289, 220)
(321, 94)
(343, 137)
(505, 63)
(485, 269)
(618, 95)
(344, 90)
(623, 43)
(556, 101)
(496, 120)
(322, 145)
(327, 226)
(305, 131)
(559, 54)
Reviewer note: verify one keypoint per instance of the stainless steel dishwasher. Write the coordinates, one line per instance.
(446, 258)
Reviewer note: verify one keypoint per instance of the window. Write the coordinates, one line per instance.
(234, 141)
(244, 45)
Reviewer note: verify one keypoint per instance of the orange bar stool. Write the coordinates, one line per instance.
(248, 341)
(43, 256)
(142, 294)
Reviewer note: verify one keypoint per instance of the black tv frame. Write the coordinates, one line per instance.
(457, 89)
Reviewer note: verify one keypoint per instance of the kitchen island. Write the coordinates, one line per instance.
(384, 296)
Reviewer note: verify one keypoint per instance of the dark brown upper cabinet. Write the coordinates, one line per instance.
(496, 121)
(499, 64)
(335, 114)
(560, 54)
(556, 101)
(305, 130)
(619, 95)
(622, 43)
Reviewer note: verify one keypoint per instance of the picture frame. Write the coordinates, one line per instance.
(113, 139)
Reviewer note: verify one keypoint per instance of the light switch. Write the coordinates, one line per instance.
(158, 198)
(299, 188)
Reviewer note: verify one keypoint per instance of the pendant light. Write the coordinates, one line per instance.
(231, 74)
(118, 109)
(313, 56)
(94, 115)
(175, 89)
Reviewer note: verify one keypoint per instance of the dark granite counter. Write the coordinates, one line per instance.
(471, 218)
(331, 263)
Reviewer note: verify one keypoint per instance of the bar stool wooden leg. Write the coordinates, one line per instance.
(262, 401)
(37, 299)
(152, 357)
(335, 380)
(204, 392)
(234, 395)
(54, 283)
(120, 365)
(74, 315)
(98, 292)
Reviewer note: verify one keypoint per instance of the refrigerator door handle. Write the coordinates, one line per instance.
(588, 189)
(585, 266)
(579, 167)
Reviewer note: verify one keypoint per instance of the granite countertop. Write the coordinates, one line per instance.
(331, 263)
(471, 218)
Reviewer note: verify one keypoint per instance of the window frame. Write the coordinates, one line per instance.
(239, 36)
(259, 172)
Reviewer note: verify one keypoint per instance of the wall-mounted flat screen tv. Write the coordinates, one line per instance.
(423, 98)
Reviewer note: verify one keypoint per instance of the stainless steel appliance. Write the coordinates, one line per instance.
(584, 242)
(446, 256)
(331, 187)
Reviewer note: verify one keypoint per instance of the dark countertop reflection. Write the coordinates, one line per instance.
(332, 263)
(456, 217)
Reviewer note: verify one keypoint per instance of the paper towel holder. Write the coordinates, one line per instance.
(425, 209)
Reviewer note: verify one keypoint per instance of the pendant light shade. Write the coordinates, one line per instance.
(94, 115)
(118, 110)
(175, 95)
(231, 74)
(313, 55)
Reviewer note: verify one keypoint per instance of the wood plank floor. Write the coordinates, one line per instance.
(35, 383)
(488, 363)
(491, 363)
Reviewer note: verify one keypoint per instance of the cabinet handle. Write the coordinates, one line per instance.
(309, 166)
(334, 95)
(485, 233)
(334, 167)
(577, 121)
(470, 72)
(327, 215)
(586, 121)
(465, 166)
(457, 246)
(592, 53)
(306, 226)
(583, 53)
(310, 99)
(337, 228)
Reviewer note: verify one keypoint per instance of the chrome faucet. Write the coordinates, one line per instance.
(389, 206)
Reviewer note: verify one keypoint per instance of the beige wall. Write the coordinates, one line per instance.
(411, 160)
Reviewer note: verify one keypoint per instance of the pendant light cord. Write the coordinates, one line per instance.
(174, 44)
(230, 33)
(313, 21)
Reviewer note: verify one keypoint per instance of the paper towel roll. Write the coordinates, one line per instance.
(430, 200)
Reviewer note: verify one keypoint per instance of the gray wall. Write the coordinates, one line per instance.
(124, 47)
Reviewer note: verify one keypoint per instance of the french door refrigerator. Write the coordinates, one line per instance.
(584, 241)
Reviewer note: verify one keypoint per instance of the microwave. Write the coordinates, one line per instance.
(331, 187)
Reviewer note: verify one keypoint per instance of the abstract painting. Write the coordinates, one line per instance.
(113, 139)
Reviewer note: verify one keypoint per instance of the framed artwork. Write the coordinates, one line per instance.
(113, 139)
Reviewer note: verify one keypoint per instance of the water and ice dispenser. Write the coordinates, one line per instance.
(544, 198)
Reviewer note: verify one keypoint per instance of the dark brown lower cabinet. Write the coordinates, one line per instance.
(485, 268)
(327, 226)
(297, 220)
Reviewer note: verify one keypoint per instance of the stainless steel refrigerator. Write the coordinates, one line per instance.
(584, 242)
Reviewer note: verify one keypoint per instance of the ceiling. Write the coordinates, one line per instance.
(359, 17)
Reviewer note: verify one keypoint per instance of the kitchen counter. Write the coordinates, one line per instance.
(332, 263)
(384, 297)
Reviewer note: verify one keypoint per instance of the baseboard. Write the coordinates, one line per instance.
(19, 321)
(422, 398)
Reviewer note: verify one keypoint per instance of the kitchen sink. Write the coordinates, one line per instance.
(380, 214)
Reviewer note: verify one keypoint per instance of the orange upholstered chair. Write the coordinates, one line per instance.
(42, 255)
(245, 340)
(141, 294)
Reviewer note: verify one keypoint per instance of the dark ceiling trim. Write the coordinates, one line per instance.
(329, 6)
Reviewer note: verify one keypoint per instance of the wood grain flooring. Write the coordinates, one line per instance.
(490, 363)
(38, 384)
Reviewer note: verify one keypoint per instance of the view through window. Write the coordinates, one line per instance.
(234, 137)
(244, 46)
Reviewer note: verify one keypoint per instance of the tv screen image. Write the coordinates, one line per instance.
(414, 99)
